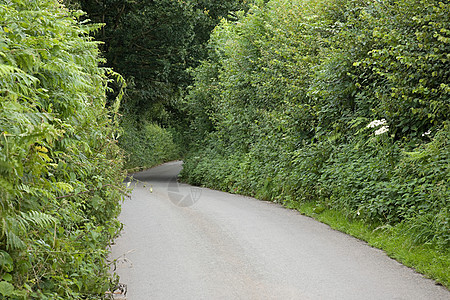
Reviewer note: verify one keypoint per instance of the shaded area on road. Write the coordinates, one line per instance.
(162, 174)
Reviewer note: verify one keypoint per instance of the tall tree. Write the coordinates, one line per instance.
(153, 43)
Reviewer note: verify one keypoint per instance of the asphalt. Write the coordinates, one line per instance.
(181, 242)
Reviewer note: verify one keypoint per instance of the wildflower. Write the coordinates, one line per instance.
(41, 149)
(382, 130)
(376, 123)
(426, 133)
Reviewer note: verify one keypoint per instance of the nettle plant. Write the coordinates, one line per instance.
(60, 165)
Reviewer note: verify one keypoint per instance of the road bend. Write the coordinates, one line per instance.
(182, 242)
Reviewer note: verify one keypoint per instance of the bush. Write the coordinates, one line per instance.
(60, 166)
(147, 144)
(288, 93)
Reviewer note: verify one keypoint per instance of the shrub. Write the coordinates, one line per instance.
(147, 144)
(60, 165)
(290, 88)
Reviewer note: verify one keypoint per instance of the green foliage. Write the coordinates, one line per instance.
(60, 165)
(153, 44)
(343, 103)
(140, 140)
(410, 56)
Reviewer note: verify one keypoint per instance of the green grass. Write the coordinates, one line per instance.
(425, 258)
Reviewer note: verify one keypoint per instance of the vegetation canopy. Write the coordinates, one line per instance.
(153, 44)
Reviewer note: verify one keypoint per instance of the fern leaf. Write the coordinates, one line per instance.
(38, 218)
(13, 241)
(6, 70)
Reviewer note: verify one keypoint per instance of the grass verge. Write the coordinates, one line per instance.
(431, 262)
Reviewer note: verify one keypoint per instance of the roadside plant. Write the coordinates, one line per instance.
(344, 103)
(61, 169)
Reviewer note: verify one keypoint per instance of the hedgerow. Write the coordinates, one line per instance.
(60, 165)
(146, 144)
(344, 103)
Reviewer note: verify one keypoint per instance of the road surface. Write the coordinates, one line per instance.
(181, 242)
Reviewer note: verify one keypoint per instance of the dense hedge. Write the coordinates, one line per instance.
(146, 144)
(340, 102)
(60, 165)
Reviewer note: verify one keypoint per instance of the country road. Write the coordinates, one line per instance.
(181, 242)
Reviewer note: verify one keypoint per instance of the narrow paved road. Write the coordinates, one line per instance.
(181, 242)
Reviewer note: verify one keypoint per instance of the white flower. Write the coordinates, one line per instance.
(382, 130)
(427, 133)
(376, 123)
